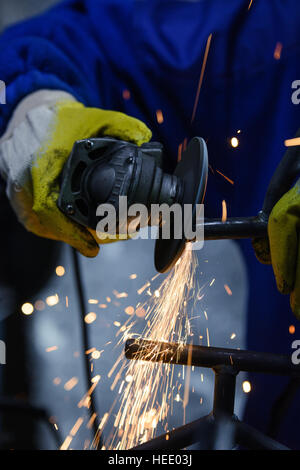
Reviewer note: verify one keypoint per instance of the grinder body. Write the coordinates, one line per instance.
(100, 170)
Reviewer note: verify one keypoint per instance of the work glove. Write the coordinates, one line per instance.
(283, 247)
(34, 150)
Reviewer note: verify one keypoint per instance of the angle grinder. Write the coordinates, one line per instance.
(99, 170)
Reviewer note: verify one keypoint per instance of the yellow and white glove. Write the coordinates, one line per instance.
(35, 147)
(282, 248)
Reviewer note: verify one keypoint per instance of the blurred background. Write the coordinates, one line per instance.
(43, 334)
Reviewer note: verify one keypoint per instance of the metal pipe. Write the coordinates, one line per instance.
(235, 228)
(251, 438)
(200, 431)
(224, 391)
(203, 356)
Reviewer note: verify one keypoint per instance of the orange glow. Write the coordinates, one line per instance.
(201, 77)
(224, 211)
(159, 116)
(292, 142)
(278, 50)
(126, 94)
(52, 348)
(71, 384)
(228, 290)
(60, 271)
(52, 300)
(90, 317)
(292, 329)
(226, 177)
(129, 310)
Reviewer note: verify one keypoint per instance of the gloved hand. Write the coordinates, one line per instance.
(32, 158)
(283, 248)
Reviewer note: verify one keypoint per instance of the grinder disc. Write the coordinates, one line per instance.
(192, 171)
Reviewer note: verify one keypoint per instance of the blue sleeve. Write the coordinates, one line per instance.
(59, 49)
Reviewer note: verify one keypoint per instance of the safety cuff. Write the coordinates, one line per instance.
(34, 100)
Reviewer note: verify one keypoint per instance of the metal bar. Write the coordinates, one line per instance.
(235, 228)
(251, 438)
(200, 431)
(224, 391)
(203, 356)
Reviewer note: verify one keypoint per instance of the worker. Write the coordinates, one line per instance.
(87, 68)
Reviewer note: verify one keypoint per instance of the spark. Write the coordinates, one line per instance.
(120, 295)
(234, 142)
(76, 427)
(179, 152)
(140, 312)
(65, 445)
(52, 348)
(187, 382)
(140, 411)
(292, 142)
(133, 276)
(90, 317)
(96, 379)
(71, 384)
(159, 116)
(52, 300)
(27, 308)
(144, 287)
(126, 94)
(201, 76)
(89, 351)
(91, 421)
(278, 50)
(60, 271)
(207, 336)
(228, 290)
(292, 329)
(93, 301)
(246, 386)
(226, 177)
(250, 4)
(96, 354)
(129, 310)
(224, 211)
(233, 336)
(103, 421)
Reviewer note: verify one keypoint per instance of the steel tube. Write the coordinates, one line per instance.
(235, 228)
(201, 430)
(203, 356)
(224, 391)
(251, 438)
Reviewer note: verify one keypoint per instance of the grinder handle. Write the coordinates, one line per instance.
(283, 178)
(253, 227)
